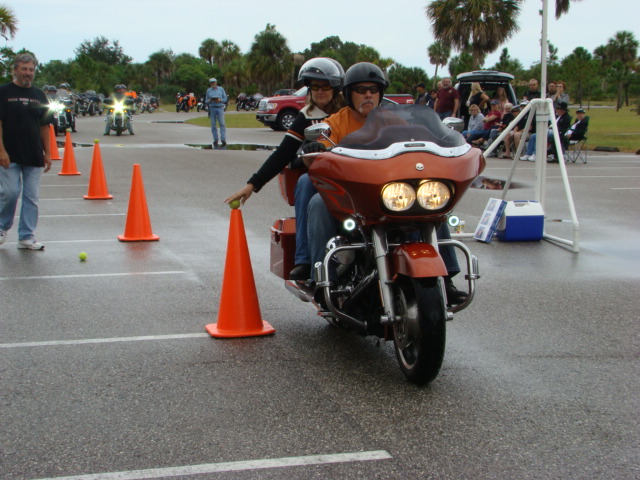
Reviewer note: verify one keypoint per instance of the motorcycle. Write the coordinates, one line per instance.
(202, 105)
(119, 115)
(391, 184)
(182, 102)
(63, 114)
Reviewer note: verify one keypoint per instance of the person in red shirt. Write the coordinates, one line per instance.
(448, 101)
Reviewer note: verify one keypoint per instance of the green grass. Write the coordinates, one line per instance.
(237, 120)
(607, 128)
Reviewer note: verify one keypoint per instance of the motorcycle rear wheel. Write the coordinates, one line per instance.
(420, 336)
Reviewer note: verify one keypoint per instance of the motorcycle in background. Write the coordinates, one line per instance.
(390, 185)
(64, 117)
(119, 114)
(183, 102)
(202, 105)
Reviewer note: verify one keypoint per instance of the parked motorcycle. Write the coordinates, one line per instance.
(183, 102)
(391, 184)
(202, 105)
(119, 114)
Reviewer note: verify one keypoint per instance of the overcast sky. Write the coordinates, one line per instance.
(399, 29)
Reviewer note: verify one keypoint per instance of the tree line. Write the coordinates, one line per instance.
(610, 71)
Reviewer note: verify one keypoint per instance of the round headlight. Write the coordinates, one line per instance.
(398, 197)
(433, 195)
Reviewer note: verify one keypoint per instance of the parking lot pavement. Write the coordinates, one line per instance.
(105, 365)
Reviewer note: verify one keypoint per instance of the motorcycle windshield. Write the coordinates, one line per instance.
(388, 125)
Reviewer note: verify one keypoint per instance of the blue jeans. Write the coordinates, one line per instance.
(12, 180)
(302, 195)
(322, 226)
(531, 146)
(217, 113)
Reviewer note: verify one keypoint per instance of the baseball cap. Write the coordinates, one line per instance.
(495, 102)
(211, 80)
(420, 85)
(580, 110)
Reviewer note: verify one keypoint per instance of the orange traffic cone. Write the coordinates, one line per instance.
(239, 313)
(53, 143)
(69, 158)
(138, 226)
(97, 181)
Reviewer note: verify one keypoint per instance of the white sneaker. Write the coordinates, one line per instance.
(532, 157)
(3, 236)
(30, 244)
(524, 158)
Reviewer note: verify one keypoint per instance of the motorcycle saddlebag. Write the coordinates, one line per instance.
(283, 246)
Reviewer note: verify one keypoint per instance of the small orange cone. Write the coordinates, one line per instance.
(53, 143)
(239, 313)
(97, 181)
(138, 226)
(69, 158)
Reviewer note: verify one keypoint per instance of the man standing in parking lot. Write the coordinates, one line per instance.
(448, 101)
(216, 98)
(533, 92)
(24, 150)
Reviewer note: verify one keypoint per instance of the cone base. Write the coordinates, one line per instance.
(213, 330)
(91, 197)
(76, 173)
(151, 238)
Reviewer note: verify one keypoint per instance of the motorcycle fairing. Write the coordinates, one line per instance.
(417, 260)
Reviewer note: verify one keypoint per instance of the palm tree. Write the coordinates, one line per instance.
(622, 48)
(227, 52)
(562, 6)
(439, 54)
(8, 22)
(270, 59)
(208, 50)
(479, 25)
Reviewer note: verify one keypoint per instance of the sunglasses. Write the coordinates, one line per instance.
(325, 88)
(362, 89)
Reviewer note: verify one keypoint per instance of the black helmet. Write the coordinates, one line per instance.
(66, 86)
(321, 68)
(363, 72)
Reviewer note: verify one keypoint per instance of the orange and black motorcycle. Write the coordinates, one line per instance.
(390, 185)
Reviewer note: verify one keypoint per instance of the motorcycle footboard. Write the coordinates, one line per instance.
(472, 267)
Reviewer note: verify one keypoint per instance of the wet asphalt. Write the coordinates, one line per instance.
(105, 365)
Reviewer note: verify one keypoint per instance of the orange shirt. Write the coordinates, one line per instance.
(342, 124)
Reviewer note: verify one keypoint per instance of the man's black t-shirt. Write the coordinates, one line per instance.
(22, 112)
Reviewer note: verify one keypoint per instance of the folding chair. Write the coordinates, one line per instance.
(577, 149)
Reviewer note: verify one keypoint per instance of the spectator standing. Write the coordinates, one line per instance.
(501, 96)
(478, 97)
(448, 102)
(216, 99)
(24, 151)
(561, 95)
(533, 92)
(421, 99)
(431, 100)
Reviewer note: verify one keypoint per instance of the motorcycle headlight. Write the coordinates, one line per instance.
(398, 197)
(433, 195)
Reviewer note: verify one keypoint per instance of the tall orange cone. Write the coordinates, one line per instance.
(138, 226)
(53, 143)
(239, 313)
(97, 181)
(69, 158)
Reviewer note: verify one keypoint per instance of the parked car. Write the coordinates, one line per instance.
(489, 80)
(280, 112)
(284, 91)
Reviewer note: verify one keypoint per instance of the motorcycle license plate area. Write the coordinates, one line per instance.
(522, 221)
(283, 247)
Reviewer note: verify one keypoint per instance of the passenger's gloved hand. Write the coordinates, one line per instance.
(313, 147)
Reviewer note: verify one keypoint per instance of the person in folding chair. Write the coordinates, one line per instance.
(577, 137)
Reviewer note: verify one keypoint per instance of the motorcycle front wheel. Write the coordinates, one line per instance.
(420, 336)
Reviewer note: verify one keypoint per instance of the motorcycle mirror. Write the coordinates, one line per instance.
(319, 131)
(454, 123)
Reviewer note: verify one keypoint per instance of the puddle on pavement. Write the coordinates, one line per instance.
(492, 183)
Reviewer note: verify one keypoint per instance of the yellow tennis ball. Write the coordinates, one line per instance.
(234, 204)
(82, 256)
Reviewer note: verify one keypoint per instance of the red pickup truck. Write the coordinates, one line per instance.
(280, 112)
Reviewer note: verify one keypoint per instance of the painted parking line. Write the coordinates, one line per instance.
(235, 466)
(84, 215)
(92, 275)
(88, 341)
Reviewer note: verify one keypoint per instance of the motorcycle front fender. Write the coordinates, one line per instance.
(417, 260)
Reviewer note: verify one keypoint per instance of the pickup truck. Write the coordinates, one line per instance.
(280, 112)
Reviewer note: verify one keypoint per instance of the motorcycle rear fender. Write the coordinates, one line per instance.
(417, 260)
